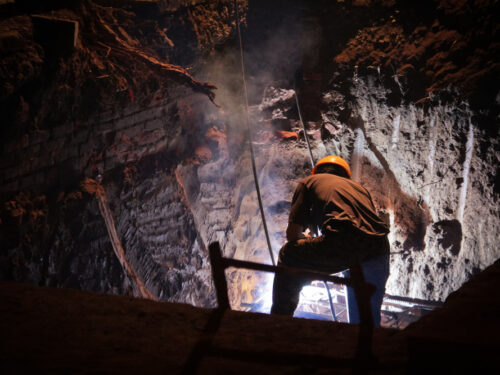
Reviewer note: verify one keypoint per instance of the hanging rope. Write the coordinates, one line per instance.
(303, 126)
(249, 135)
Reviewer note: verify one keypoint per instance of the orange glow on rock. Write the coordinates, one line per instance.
(287, 136)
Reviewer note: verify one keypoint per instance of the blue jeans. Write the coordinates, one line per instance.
(376, 272)
(330, 253)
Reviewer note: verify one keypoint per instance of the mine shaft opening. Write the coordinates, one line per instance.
(117, 173)
(176, 171)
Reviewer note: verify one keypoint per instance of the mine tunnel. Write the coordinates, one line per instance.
(136, 134)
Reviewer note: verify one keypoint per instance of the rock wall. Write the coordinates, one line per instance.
(432, 168)
(116, 106)
(429, 169)
(132, 152)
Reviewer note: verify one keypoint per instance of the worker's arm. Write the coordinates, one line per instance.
(294, 232)
(299, 213)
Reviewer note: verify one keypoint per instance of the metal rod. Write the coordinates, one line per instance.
(330, 301)
(413, 301)
(221, 262)
(303, 273)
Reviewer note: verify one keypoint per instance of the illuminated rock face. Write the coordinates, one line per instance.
(431, 169)
(429, 154)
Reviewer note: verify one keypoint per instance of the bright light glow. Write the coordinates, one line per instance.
(313, 294)
(391, 235)
(260, 297)
(266, 296)
(314, 302)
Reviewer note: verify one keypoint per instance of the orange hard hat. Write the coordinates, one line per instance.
(331, 159)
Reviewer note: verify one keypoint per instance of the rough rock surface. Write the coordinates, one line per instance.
(432, 169)
(118, 108)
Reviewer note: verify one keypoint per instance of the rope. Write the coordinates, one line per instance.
(303, 126)
(332, 309)
(249, 135)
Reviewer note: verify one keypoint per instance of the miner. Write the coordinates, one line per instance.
(351, 233)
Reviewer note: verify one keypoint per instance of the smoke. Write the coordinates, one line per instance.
(275, 46)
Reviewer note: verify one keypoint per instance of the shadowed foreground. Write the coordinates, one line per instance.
(56, 331)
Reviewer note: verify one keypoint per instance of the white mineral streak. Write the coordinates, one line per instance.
(432, 146)
(395, 131)
(359, 145)
(430, 160)
(465, 174)
(391, 225)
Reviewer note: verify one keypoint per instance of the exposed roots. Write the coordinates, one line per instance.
(126, 47)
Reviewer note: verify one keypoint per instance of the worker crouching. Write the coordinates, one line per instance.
(351, 233)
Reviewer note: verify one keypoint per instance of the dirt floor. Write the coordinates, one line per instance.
(62, 331)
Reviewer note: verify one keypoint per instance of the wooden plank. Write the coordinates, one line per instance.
(95, 188)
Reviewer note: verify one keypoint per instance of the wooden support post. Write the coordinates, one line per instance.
(218, 268)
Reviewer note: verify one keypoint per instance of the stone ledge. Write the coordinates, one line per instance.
(152, 337)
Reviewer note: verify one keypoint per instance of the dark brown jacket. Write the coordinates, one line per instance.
(335, 204)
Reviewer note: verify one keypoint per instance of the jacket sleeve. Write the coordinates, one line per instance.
(301, 205)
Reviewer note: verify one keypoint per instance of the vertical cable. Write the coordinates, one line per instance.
(249, 135)
(303, 126)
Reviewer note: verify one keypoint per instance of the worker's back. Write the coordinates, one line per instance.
(335, 202)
